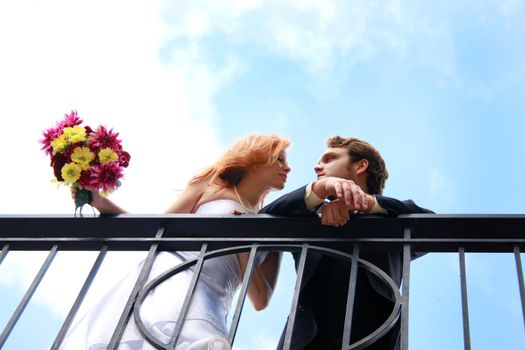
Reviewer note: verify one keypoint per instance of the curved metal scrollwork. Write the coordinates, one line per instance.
(364, 264)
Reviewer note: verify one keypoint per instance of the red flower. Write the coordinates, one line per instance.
(102, 138)
(106, 176)
(123, 158)
(85, 179)
(57, 162)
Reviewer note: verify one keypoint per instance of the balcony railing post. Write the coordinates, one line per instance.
(3, 253)
(464, 298)
(521, 285)
(81, 295)
(350, 298)
(242, 294)
(27, 297)
(126, 313)
(186, 304)
(407, 256)
(295, 300)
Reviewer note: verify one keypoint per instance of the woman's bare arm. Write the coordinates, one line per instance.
(264, 278)
(188, 199)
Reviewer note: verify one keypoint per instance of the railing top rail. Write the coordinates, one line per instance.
(429, 232)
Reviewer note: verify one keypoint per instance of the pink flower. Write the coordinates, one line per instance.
(50, 134)
(102, 138)
(71, 119)
(106, 176)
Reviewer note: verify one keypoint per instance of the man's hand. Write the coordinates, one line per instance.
(335, 213)
(345, 190)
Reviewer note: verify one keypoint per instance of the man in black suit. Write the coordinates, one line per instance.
(352, 173)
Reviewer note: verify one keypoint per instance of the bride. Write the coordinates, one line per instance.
(237, 183)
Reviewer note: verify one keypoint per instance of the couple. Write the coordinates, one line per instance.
(238, 182)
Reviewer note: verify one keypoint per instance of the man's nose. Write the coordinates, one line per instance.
(318, 168)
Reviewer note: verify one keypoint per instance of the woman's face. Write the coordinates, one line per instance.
(274, 176)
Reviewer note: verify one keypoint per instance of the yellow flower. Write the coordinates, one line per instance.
(75, 134)
(82, 156)
(107, 155)
(59, 144)
(71, 173)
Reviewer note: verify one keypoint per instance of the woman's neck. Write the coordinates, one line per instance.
(251, 194)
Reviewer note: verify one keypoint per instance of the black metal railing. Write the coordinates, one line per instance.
(213, 236)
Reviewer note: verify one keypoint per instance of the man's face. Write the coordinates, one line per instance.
(335, 162)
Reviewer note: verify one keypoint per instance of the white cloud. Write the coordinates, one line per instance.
(63, 280)
(310, 32)
(327, 39)
(22, 276)
(510, 8)
(101, 58)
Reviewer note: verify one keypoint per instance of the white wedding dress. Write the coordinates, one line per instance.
(205, 323)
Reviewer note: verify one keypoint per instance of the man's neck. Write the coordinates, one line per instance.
(361, 182)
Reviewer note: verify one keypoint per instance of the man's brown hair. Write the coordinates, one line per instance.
(359, 149)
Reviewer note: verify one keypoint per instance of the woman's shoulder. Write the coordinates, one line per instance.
(219, 206)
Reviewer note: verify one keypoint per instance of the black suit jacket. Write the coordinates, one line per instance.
(320, 313)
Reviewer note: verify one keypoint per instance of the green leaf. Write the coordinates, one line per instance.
(83, 197)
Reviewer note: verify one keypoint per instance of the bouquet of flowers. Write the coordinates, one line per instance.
(84, 158)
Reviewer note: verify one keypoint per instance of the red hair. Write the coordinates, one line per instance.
(248, 153)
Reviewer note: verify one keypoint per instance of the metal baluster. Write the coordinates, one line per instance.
(27, 297)
(350, 298)
(464, 299)
(4, 252)
(295, 300)
(126, 313)
(407, 255)
(242, 294)
(519, 269)
(81, 295)
(187, 299)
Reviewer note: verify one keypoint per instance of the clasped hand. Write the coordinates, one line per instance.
(349, 198)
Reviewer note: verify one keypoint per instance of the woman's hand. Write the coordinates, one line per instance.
(102, 204)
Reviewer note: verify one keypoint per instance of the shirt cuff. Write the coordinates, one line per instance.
(311, 200)
(377, 209)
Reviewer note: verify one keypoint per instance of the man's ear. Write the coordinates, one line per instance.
(361, 166)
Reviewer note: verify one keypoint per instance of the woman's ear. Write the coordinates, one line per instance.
(361, 166)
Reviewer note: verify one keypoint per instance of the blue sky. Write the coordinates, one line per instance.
(438, 88)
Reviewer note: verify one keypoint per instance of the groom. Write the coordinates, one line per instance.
(353, 173)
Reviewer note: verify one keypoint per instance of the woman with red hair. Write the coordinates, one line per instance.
(237, 183)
